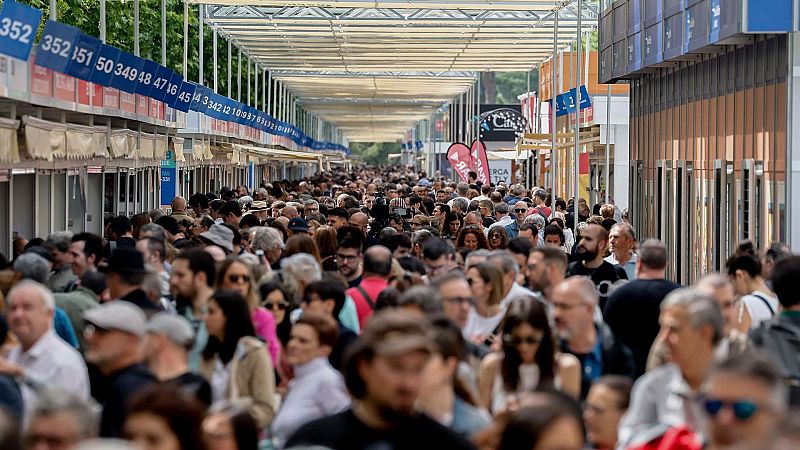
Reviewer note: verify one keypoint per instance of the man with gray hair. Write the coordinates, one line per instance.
(61, 418)
(745, 398)
(622, 243)
(691, 327)
(574, 302)
(31, 266)
(41, 359)
(462, 189)
(268, 241)
(459, 205)
(502, 216)
(632, 310)
(507, 264)
(62, 277)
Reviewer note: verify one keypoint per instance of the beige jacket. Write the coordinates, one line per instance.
(252, 378)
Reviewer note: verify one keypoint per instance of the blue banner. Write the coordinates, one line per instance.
(103, 71)
(126, 72)
(56, 46)
(147, 74)
(84, 57)
(18, 25)
(158, 89)
(173, 89)
(183, 100)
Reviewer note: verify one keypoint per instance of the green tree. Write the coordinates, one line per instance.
(375, 152)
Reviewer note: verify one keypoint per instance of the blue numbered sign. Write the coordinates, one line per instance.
(56, 46)
(84, 56)
(160, 84)
(173, 89)
(147, 74)
(104, 66)
(126, 72)
(18, 25)
(185, 94)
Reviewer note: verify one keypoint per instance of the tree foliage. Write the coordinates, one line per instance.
(375, 153)
(85, 15)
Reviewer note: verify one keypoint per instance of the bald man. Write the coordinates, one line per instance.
(574, 302)
(179, 210)
(377, 266)
(361, 221)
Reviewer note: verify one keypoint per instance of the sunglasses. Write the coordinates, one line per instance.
(472, 281)
(520, 210)
(273, 306)
(742, 409)
(234, 278)
(517, 340)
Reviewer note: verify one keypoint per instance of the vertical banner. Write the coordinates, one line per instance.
(169, 182)
(583, 170)
(480, 162)
(460, 160)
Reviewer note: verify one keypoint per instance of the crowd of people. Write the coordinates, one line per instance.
(381, 309)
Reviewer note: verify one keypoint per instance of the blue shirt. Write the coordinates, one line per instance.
(512, 230)
(64, 328)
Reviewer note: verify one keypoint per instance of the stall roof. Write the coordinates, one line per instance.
(374, 69)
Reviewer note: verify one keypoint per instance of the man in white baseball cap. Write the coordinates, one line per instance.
(167, 344)
(114, 333)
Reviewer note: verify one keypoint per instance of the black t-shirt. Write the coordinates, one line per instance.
(193, 384)
(632, 312)
(119, 388)
(344, 431)
(603, 276)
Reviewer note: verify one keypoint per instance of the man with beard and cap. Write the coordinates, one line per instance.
(590, 263)
(384, 376)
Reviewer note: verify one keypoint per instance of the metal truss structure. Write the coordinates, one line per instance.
(394, 62)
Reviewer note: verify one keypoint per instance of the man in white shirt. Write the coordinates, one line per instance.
(42, 359)
(622, 240)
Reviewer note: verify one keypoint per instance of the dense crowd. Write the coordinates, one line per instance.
(381, 309)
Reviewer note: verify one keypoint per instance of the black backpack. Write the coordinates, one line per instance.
(781, 340)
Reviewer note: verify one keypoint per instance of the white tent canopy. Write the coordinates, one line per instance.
(374, 69)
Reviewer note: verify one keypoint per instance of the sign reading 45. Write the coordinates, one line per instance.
(18, 24)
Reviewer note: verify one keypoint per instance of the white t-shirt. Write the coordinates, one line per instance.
(479, 326)
(756, 304)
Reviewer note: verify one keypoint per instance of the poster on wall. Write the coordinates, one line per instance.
(500, 170)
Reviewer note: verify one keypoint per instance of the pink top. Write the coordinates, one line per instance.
(264, 323)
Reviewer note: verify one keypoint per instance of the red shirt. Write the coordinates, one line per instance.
(373, 285)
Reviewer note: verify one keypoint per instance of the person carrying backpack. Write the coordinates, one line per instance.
(780, 337)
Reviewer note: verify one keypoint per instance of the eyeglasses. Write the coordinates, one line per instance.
(461, 300)
(516, 341)
(312, 209)
(495, 236)
(273, 306)
(342, 257)
(234, 278)
(742, 409)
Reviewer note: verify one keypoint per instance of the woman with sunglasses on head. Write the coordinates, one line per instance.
(236, 275)
(235, 361)
(528, 360)
(498, 238)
